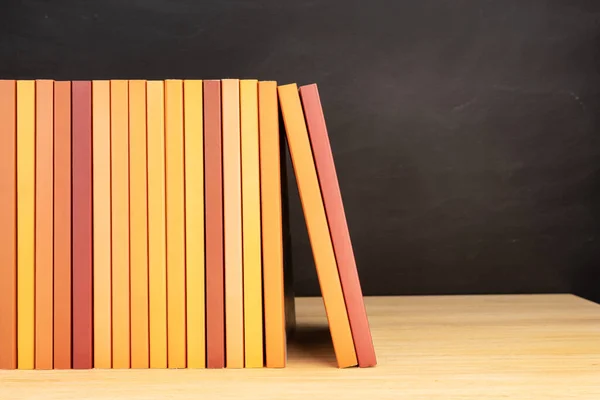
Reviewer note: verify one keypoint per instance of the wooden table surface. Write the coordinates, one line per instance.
(442, 347)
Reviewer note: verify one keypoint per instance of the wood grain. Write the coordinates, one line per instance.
(526, 347)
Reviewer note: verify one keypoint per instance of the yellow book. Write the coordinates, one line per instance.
(253, 305)
(271, 225)
(101, 204)
(25, 223)
(120, 223)
(138, 219)
(175, 224)
(194, 223)
(232, 207)
(317, 225)
(157, 271)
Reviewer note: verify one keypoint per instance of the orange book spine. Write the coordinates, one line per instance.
(25, 224)
(138, 206)
(157, 261)
(44, 211)
(317, 225)
(194, 224)
(253, 304)
(102, 224)
(338, 226)
(62, 225)
(175, 224)
(119, 136)
(8, 222)
(232, 214)
(271, 225)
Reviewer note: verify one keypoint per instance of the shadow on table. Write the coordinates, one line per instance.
(313, 343)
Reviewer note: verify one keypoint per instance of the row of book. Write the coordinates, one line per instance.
(141, 224)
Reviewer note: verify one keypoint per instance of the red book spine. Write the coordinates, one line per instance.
(82, 224)
(215, 270)
(338, 227)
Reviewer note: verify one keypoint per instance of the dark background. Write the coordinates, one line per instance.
(465, 132)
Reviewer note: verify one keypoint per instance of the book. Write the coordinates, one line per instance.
(253, 305)
(62, 225)
(102, 225)
(138, 222)
(44, 224)
(25, 224)
(119, 141)
(175, 224)
(232, 207)
(8, 221)
(157, 250)
(81, 257)
(213, 197)
(194, 224)
(316, 223)
(338, 227)
(271, 225)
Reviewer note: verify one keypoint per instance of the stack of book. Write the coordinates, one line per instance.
(142, 225)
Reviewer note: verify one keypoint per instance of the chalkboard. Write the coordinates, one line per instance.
(465, 132)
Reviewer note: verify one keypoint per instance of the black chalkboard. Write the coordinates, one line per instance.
(465, 132)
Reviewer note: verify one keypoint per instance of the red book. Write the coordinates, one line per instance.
(338, 227)
(213, 192)
(82, 224)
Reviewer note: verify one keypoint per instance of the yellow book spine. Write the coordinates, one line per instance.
(232, 207)
(157, 225)
(138, 217)
(102, 218)
(271, 225)
(253, 305)
(25, 223)
(120, 224)
(194, 223)
(316, 223)
(175, 224)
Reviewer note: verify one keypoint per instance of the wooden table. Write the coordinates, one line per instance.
(443, 347)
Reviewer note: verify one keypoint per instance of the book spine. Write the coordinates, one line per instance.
(316, 223)
(157, 272)
(26, 223)
(213, 181)
(8, 221)
(338, 226)
(119, 141)
(138, 206)
(82, 224)
(253, 305)
(271, 225)
(62, 225)
(44, 211)
(194, 224)
(102, 225)
(232, 215)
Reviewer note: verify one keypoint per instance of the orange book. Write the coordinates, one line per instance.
(157, 271)
(271, 225)
(338, 227)
(138, 209)
(8, 222)
(44, 210)
(62, 225)
(232, 214)
(175, 224)
(102, 224)
(316, 223)
(194, 223)
(25, 224)
(253, 305)
(119, 136)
